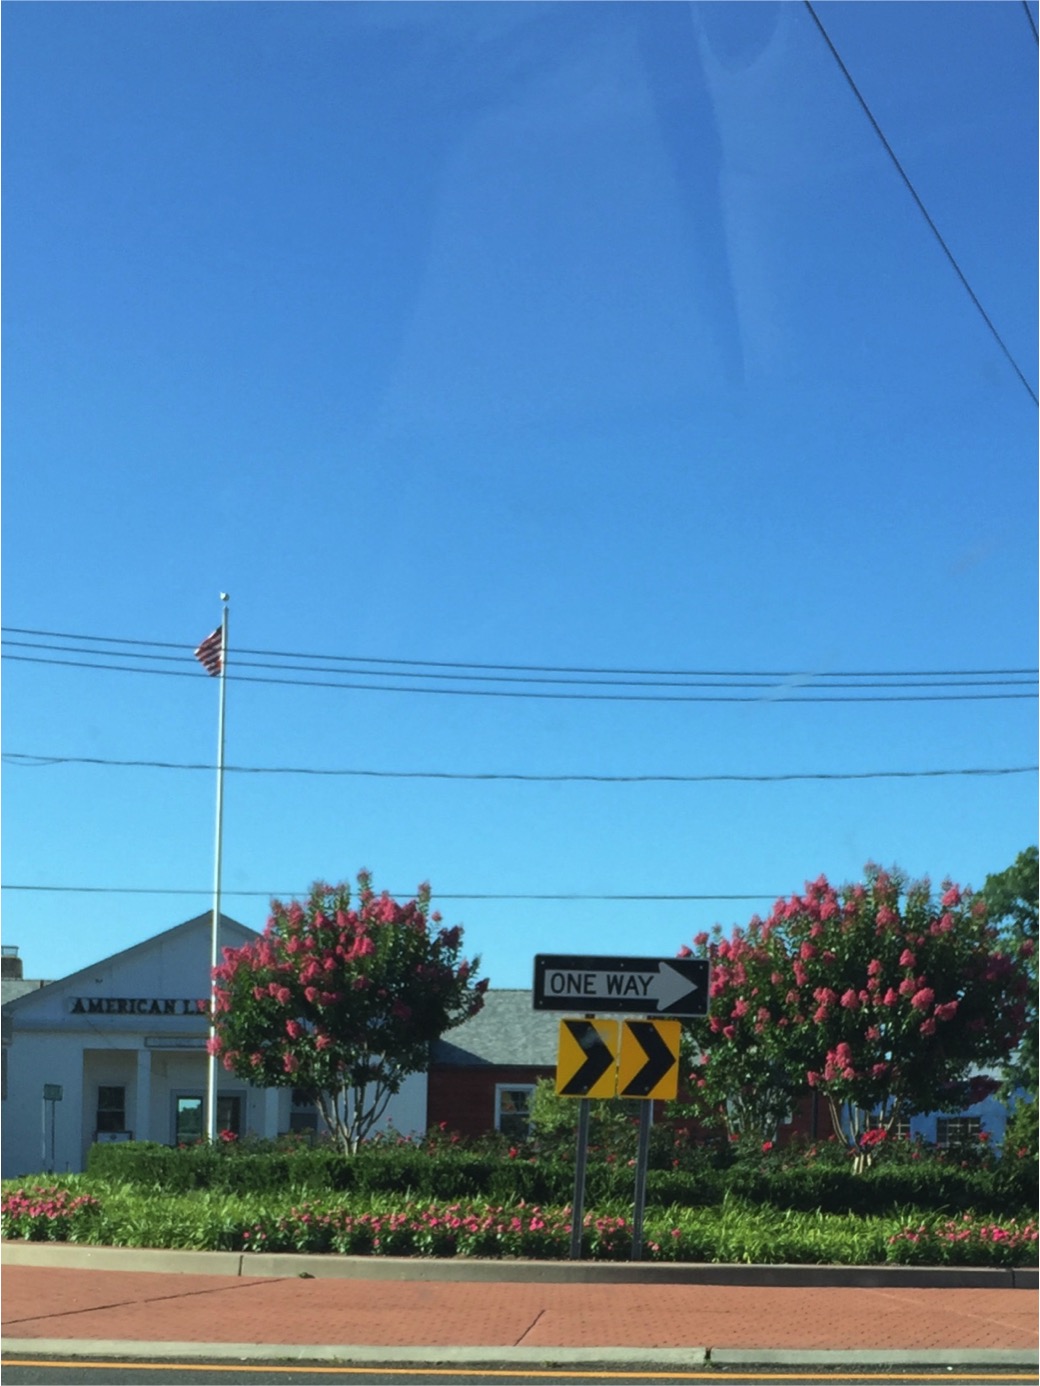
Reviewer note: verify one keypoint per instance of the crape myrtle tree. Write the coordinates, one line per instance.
(881, 995)
(743, 1072)
(343, 1001)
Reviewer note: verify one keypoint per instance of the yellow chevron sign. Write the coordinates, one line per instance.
(648, 1064)
(600, 1058)
(586, 1060)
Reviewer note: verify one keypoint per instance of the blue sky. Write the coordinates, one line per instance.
(560, 335)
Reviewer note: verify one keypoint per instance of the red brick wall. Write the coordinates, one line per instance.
(464, 1098)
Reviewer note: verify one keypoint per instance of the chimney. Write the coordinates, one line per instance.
(10, 962)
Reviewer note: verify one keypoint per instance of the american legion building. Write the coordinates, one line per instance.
(117, 1052)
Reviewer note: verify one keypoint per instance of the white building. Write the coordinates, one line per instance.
(117, 1051)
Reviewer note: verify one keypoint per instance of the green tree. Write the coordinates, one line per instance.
(1011, 905)
(343, 1002)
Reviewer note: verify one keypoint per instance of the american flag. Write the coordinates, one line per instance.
(209, 652)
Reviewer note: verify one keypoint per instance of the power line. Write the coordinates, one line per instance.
(775, 693)
(920, 205)
(186, 649)
(652, 897)
(646, 678)
(1029, 16)
(27, 760)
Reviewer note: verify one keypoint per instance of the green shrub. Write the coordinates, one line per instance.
(1020, 1135)
(795, 1179)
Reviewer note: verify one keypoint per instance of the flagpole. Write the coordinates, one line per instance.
(214, 948)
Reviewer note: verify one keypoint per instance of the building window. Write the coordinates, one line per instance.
(189, 1120)
(303, 1114)
(957, 1130)
(899, 1132)
(111, 1109)
(513, 1110)
(229, 1114)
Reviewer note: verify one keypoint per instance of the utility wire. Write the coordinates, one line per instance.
(26, 760)
(646, 680)
(185, 649)
(1029, 16)
(920, 205)
(772, 693)
(435, 895)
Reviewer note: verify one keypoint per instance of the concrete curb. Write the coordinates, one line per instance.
(71, 1256)
(645, 1359)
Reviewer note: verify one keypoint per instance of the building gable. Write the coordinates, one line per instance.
(166, 975)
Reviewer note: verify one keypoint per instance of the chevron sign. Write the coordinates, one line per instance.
(602, 1058)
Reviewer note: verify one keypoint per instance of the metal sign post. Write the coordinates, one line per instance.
(646, 1120)
(578, 1203)
(52, 1093)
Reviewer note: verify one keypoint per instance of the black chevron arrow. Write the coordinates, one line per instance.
(598, 1058)
(659, 1059)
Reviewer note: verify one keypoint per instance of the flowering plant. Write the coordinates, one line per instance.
(342, 1001)
(879, 995)
(965, 1241)
(46, 1213)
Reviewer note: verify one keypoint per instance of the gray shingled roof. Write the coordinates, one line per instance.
(506, 1033)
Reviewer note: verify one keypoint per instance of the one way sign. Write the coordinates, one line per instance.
(648, 986)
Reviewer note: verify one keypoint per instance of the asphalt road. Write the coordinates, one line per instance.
(26, 1371)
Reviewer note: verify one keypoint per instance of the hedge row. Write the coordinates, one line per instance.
(1008, 1189)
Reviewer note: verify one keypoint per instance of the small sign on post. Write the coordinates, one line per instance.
(53, 1094)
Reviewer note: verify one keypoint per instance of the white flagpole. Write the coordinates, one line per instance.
(214, 949)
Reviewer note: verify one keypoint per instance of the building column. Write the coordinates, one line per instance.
(272, 1105)
(143, 1095)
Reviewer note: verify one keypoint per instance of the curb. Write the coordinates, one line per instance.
(491, 1358)
(73, 1256)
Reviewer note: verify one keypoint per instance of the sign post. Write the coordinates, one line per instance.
(578, 1201)
(607, 1058)
(53, 1094)
(646, 1120)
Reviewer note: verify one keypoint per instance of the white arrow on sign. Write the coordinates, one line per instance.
(666, 985)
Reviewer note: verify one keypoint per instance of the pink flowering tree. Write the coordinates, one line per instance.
(902, 994)
(742, 1073)
(880, 995)
(343, 1000)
